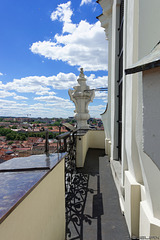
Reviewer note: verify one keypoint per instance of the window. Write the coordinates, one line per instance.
(120, 79)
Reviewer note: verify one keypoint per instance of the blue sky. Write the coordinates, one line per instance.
(43, 44)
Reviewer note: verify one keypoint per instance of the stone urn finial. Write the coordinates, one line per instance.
(81, 79)
(81, 73)
(81, 96)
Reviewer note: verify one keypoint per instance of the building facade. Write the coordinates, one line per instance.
(132, 31)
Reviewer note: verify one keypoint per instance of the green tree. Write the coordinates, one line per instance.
(57, 123)
(4, 131)
(17, 137)
(10, 136)
(14, 127)
(22, 137)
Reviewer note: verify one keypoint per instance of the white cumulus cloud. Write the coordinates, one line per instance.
(4, 94)
(20, 97)
(45, 93)
(27, 84)
(1, 74)
(101, 95)
(36, 110)
(85, 2)
(82, 45)
(46, 102)
(95, 111)
(50, 98)
(97, 82)
(64, 13)
(42, 85)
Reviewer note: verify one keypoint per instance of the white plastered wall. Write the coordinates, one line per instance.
(106, 23)
(114, 78)
(148, 38)
(141, 37)
(141, 24)
(41, 215)
(130, 160)
(91, 139)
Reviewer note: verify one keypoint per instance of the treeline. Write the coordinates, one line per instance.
(59, 122)
(20, 136)
(2, 120)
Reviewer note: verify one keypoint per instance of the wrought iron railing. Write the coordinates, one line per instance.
(66, 142)
(76, 187)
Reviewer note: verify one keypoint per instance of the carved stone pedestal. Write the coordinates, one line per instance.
(81, 96)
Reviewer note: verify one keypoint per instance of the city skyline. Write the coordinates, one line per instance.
(43, 45)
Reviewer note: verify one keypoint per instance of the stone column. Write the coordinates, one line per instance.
(81, 96)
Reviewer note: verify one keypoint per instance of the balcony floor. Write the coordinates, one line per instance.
(92, 207)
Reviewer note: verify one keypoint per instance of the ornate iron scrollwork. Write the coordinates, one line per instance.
(76, 188)
(67, 143)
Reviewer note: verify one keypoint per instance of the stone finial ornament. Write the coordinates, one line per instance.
(81, 96)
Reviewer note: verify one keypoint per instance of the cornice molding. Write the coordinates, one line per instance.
(105, 17)
(104, 21)
(106, 6)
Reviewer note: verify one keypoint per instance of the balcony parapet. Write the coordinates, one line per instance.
(27, 196)
(86, 139)
(76, 143)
